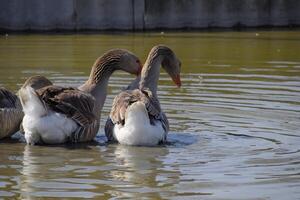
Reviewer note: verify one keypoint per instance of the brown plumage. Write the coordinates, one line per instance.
(37, 82)
(159, 55)
(144, 89)
(128, 97)
(75, 104)
(106, 65)
(124, 100)
(70, 101)
(10, 113)
(83, 105)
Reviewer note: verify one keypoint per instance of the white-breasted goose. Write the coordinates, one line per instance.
(55, 114)
(136, 117)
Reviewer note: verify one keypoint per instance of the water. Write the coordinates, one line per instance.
(234, 123)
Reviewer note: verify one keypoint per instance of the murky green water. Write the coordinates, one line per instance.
(235, 121)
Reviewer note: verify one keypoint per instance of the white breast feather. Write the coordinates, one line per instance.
(137, 129)
(42, 125)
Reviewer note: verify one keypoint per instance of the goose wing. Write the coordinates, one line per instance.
(125, 99)
(72, 102)
(7, 99)
(10, 113)
(75, 104)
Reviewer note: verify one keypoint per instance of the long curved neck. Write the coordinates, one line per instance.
(150, 73)
(97, 84)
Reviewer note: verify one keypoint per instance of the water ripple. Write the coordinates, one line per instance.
(234, 122)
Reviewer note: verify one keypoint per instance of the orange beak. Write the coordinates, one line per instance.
(177, 80)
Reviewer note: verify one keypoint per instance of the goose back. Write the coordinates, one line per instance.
(75, 104)
(128, 97)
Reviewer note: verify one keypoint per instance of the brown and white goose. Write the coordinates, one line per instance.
(11, 113)
(55, 114)
(136, 117)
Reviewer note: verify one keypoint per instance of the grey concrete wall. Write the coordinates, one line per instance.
(103, 14)
(37, 14)
(145, 14)
(221, 13)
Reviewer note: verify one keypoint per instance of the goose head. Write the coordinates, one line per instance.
(37, 82)
(171, 64)
(115, 59)
(130, 63)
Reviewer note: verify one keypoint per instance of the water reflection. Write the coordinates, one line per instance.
(124, 172)
(45, 173)
(140, 170)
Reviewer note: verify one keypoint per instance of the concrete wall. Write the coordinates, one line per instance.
(145, 14)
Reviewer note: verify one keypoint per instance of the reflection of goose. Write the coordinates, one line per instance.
(136, 117)
(139, 166)
(56, 174)
(29, 172)
(56, 114)
(11, 114)
(142, 172)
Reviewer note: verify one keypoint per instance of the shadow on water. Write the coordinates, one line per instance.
(173, 140)
(181, 139)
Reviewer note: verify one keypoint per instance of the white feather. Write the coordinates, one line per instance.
(42, 125)
(137, 129)
(32, 105)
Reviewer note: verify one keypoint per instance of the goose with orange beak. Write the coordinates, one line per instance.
(136, 117)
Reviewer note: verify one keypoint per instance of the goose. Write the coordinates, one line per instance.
(136, 117)
(11, 113)
(56, 114)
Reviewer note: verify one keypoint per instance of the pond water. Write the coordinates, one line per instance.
(234, 123)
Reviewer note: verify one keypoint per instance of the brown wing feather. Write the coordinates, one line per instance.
(10, 120)
(151, 102)
(86, 133)
(108, 129)
(165, 122)
(7, 99)
(126, 98)
(154, 110)
(10, 113)
(72, 102)
(119, 106)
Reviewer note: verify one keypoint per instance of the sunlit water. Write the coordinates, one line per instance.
(234, 123)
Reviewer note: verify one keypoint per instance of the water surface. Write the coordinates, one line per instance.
(234, 123)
